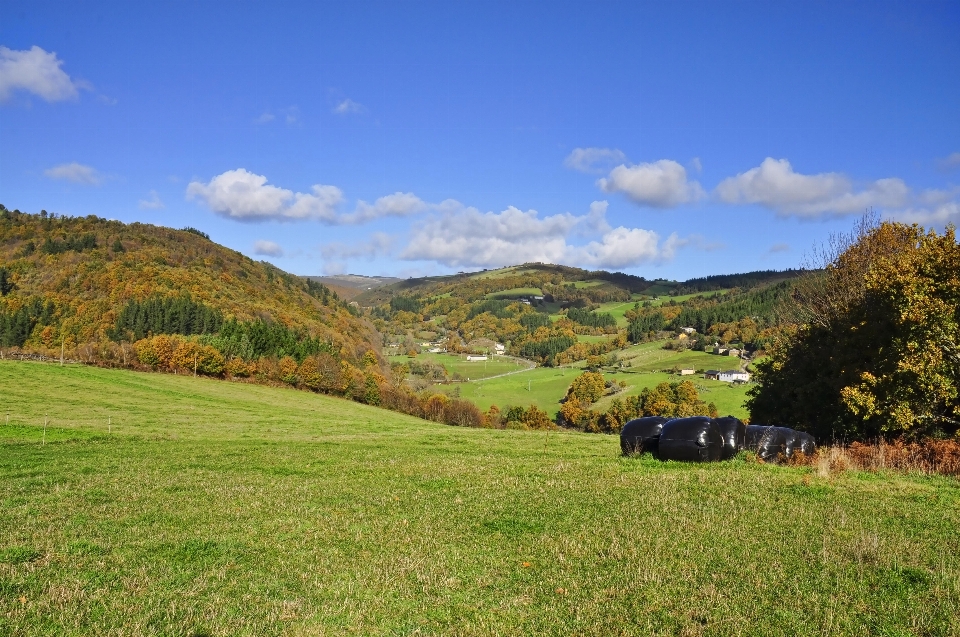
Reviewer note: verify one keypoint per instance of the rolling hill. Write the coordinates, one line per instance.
(83, 283)
(92, 287)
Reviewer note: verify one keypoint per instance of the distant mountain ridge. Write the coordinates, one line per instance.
(597, 283)
(357, 281)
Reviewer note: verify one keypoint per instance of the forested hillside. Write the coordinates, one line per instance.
(150, 297)
(556, 314)
(89, 285)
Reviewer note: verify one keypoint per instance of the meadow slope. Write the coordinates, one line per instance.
(215, 508)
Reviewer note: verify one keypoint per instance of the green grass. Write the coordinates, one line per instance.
(680, 298)
(548, 385)
(541, 386)
(500, 273)
(589, 338)
(617, 310)
(656, 359)
(458, 364)
(515, 293)
(218, 508)
(727, 397)
(579, 285)
(659, 289)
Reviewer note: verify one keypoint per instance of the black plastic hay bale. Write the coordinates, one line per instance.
(734, 433)
(791, 440)
(808, 444)
(641, 434)
(766, 441)
(696, 439)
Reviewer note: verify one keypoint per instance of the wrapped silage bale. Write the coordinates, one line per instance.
(791, 441)
(641, 434)
(766, 441)
(696, 439)
(808, 444)
(734, 433)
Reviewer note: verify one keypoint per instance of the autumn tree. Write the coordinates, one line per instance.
(876, 347)
(588, 387)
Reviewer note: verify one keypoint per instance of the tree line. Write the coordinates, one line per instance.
(16, 326)
(170, 315)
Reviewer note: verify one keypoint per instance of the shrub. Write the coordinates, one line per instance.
(462, 413)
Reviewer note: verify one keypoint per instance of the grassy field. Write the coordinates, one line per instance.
(541, 386)
(680, 298)
(590, 338)
(458, 364)
(652, 357)
(545, 386)
(727, 397)
(617, 310)
(216, 508)
(515, 293)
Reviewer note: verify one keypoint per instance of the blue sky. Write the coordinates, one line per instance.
(663, 139)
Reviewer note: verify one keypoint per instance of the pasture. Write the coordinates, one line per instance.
(545, 386)
(458, 364)
(215, 508)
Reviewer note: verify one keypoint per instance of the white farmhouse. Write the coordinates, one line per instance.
(734, 376)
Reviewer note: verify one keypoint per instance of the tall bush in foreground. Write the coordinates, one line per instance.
(876, 349)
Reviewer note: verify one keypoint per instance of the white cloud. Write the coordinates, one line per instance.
(379, 244)
(594, 160)
(661, 184)
(321, 204)
(941, 214)
(399, 204)
(596, 219)
(245, 196)
(774, 185)
(779, 247)
(267, 248)
(624, 248)
(239, 194)
(347, 106)
(950, 162)
(331, 268)
(465, 237)
(77, 173)
(291, 116)
(152, 202)
(35, 71)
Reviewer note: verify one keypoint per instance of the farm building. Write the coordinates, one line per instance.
(734, 376)
(475, 357)
(687, 372)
